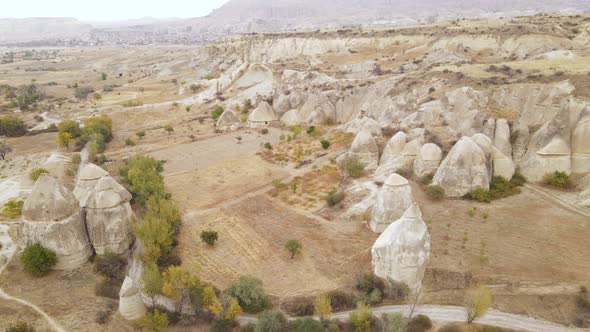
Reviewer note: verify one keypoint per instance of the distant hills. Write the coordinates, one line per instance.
(238, 16)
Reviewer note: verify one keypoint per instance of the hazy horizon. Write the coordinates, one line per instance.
(110, 10)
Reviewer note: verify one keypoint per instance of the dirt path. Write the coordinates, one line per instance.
(566, 205)
(453, 314)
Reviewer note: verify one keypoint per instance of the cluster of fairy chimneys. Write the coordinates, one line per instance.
(95, 217)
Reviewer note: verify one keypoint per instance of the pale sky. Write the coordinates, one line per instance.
(108, 10)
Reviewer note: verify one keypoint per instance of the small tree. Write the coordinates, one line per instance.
(250, 294)
(211, 302)
(63, 139)
(322, 307)
(234, 310)
(478, 301)
(209, 237)
(169, 129)
(4, 149)
(152, 281)
(177, 283)
(293, 247)
(154, 321)
(361, 319)
(272, 321)
(38, 260)
(103, 76)
(325, 144)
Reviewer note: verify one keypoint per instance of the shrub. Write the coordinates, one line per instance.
(111, 266)
(325, 144)
(435, 192)
(209, 237)
(216, 113)
(154, 321)
(322, 307)
(108, 288)
(143, 176)
(268, 146)
(97, 130)
(35, 173)
(341, 300)
(250, 294)
(12, 208)
(558, 179)
(20, 327)
(395, 323)
(426, 179)
(140, 134)
(361, 319)
(83, 92)
(272, 321)
(480, 195)
(396, 290)
(12, 126)
(502, 188)
(69, 126)
(334, 197)
(477, 302)
(296, 130)
(264, 131)
(27, 95)
(168, 128)
(353, 168)
(293, 247)
(306, 324)
(518, 179)
(38, 260)
(420, 323)
(129, 142)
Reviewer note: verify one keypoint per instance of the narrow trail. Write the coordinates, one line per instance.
(455, 314)
(566, 205)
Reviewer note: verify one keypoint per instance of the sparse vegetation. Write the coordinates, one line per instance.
(361, 319)
(435, 192)
(38, 260)
(325, 144)
(140, 134)
(250, 294)
(154, 321)
(353, 168)
(12, 126)
(294, 248)
(20, 327)
(558, 179)
(209, 237)
(12, 208)
(216, 113)
(499, 188)
(271, 321)
(35, 173)
(478, 301)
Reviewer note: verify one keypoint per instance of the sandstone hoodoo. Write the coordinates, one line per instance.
(108, 217)
(291, 117)
(394, 148)
(428, 160)
(89, 175)
(463, 170)
(52, 218)
(227, 119)
(263, 115)
(393, 200)
(402, 250)
(131, 306)
(364, 149)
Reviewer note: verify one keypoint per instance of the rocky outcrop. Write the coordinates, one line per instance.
(393, 200)
(108, 217)
(581, 145)
(131, 307)
(397, 155)
(393, 149)
(502, 165)
(464, 169)
(52, 218)
(89, 175)
(402, 250)
(262, 115)
(428, 160)
(227, 119)
(291, 117)
(363, 149)
(502, 137)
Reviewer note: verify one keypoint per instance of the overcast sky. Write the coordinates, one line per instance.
(108, 10)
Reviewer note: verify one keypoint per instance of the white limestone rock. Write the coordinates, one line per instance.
(502, 137)
(291, 117)
(393, 200)
(393, 148)
(464, 169)
(502, 165)
(131, 306)
(87, 179)
(404, 161)
(52, 218)
(227, 119)
(108, 217)
(402, 251)
(263, 114)
(428, 160)
(364, 149)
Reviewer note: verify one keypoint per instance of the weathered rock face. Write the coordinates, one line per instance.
(263, 114)
(502, 137)
(393, 200)
(131, 307)
(364, 149)
(581, 145)
(402, 251)
(87, 179)
(52, 218)
(393, 148)
(291, 117)
(227, 119)
(502, 165)
(108, 217)
(428, 160)
(464, 169)
(397, 155)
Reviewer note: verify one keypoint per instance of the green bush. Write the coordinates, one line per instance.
(250, 294)
(216, 113)
(154, 321)
(35, 173)
(209, 237)
(12, 208)
(264, 131)
(334, 197)
(38, 260)
(502, 188)
(294, 247)
(361, 319)
(143, 176)
(129, 142)
(420, 323)
(325, 144)
(272, 321)
(101, 126)
(353, 168)
(480, 195)
(426, 179)
(395, 323)
(27, 95)
(518, 179)
(12, 126)
(69, 126)
(559, 179)
(306, 324)
(140, 134)
(20, 327)
(435, 192)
